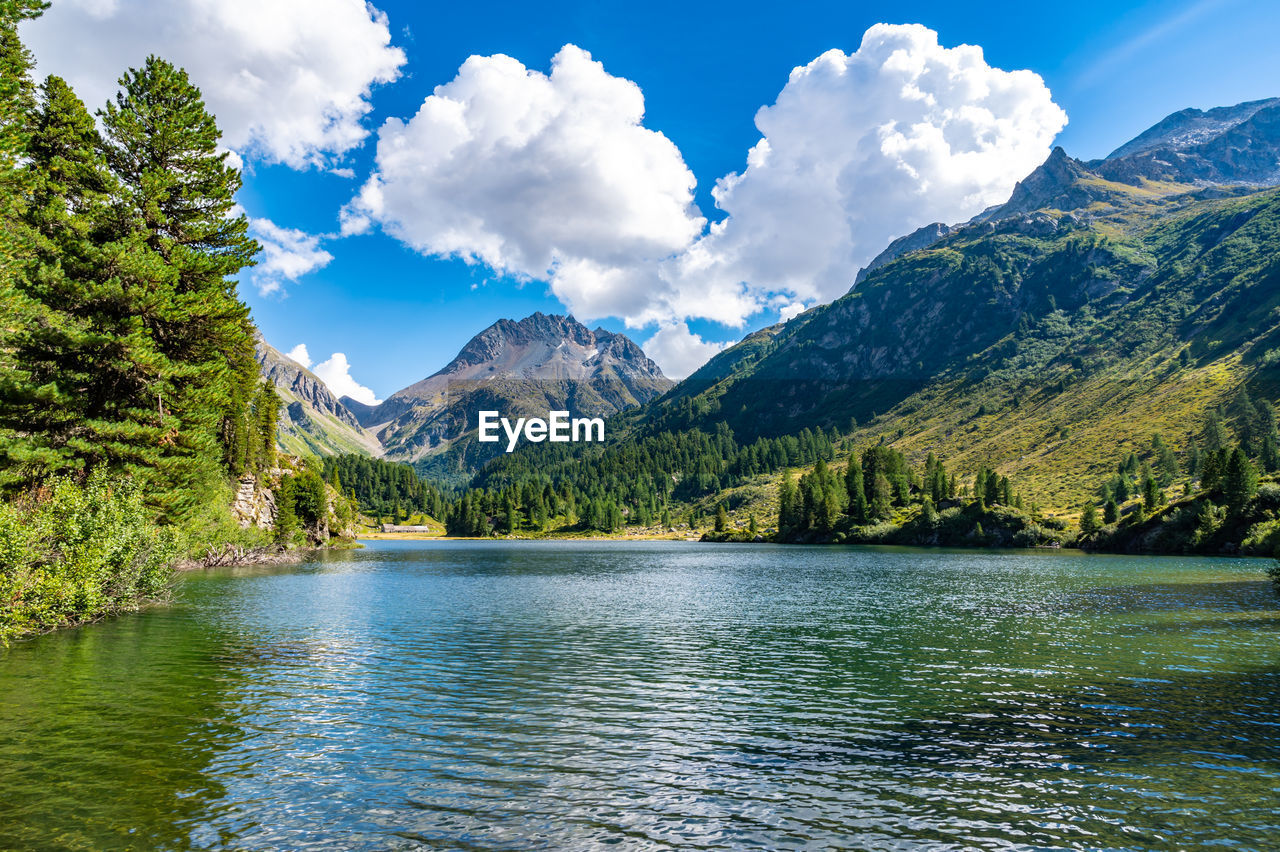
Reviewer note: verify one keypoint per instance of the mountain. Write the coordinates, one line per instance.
(526, 368)
(1059, 183)
(1191, 127)
(1048, 336)
(1239, 144)
(312, 420)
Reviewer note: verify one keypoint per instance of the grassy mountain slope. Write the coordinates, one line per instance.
(1045, 345)
(312, 421)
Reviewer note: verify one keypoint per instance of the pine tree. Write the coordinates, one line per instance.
(857, 502)
(1088, 519)
(17, 105)
(1151, 496)
(1270, 455)
(928, 514)
(1245, 414)
(1110, 512)
(67, 351)
(1167, 468)
(1212, 468)
(1193, 460)
(722, 518)
(178, 198)
(881, 503)
(788, 504)
(1215, 436)
(1239, 481)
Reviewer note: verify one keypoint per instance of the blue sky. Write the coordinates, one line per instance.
(398, 314)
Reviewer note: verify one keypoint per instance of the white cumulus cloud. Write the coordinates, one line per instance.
(287, 255)
(336, 373)
(289, 80)
(861, 148)
(300, 354)
(555, 177)
(678, 351)
(539, 176)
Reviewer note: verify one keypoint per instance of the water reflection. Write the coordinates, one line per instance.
(105, 744)
(497, 696)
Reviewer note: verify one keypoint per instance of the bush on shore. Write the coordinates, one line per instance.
(72, 553)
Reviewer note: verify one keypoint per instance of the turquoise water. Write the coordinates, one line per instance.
(422, 695)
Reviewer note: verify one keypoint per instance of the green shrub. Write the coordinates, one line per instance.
(71, 554)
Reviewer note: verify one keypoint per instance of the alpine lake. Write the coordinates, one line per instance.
(659, 695)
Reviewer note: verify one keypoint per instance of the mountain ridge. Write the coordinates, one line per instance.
(524, 367)
(1042, 338)
(312, 420)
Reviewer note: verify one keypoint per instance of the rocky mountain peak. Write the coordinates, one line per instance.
(1061, 182)
(1227, 145)
(1189, 127)
(536, 364)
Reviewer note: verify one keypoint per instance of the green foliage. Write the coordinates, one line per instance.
(71, 553)
(1239, 481)
(1089, 519)
(1151, 494)
(632, 481)
(128, 389)
(379, 486)
(302, 496)
(130, 352)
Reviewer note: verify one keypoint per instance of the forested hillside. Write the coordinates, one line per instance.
(1040, 343)
(129, 396)
(1044, 346)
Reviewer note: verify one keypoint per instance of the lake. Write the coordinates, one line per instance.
(553, 695)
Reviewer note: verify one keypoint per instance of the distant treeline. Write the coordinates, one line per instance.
(384, 489)
(636, 481)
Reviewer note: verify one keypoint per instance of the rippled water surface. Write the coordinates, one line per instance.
(568, 696)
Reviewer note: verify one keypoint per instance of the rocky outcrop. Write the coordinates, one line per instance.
(918, 239)
(1237, 144)
(254, 505)
(1061, 182)
(1189, 127)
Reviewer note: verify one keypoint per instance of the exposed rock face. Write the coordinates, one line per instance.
(541, 363)
(312, 419)
(917, 239)
(1190, 127)
(254, 505)
(1059, 183)
(1238, 144)
(302, 384)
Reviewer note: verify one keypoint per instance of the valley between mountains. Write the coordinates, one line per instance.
(1117, 319)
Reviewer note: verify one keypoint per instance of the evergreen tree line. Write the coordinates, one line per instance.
(636, 481)
(124, 344)
(874, 487)
(383, 489)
